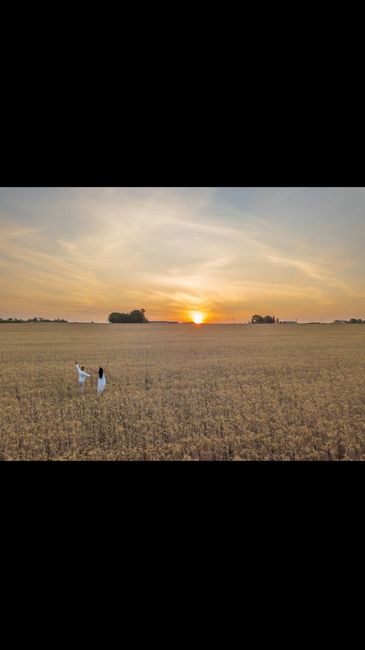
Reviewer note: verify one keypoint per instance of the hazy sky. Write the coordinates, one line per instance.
(80, 253)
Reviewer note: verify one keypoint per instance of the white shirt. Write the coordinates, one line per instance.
(82, 374)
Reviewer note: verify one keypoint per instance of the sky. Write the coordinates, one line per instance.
(228, 253)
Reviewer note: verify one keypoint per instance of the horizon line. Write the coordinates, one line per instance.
(171, 322)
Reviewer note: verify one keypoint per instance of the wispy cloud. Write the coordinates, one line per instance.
(85, 252)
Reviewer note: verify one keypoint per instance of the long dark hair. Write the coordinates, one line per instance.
(101, 372)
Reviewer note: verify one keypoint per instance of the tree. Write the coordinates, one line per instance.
(135, 316)
(262, 319)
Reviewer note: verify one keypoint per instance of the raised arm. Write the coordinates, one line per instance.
(82, 373)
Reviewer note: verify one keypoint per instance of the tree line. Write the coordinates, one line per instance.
(271, 319)
(264, 319)
(135, 316)
(33, 320)
(351, 321)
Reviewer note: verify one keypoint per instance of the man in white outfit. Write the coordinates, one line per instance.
(82, 375)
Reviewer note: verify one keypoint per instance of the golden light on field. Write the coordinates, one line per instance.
(292, 392)
(197, 317)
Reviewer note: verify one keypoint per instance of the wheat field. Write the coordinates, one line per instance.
(183, 392)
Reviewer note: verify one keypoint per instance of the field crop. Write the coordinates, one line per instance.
(183, 392)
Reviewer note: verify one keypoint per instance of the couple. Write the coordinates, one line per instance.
(83, 375)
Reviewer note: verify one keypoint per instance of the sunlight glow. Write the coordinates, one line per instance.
(199, 255)
(197, 317)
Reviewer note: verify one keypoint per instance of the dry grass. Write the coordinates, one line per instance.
(265, 392)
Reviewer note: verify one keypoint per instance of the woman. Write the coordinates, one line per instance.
(101, 381)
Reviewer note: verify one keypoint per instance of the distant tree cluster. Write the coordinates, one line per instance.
(33, 320)
(351, 321)
(264, 319)
(135, 316)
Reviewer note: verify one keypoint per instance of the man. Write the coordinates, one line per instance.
(82, 375)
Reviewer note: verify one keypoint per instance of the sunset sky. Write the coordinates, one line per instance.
(81, 253)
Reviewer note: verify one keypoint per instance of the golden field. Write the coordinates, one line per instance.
(183, 392)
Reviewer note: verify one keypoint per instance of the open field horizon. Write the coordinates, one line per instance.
(267, 392)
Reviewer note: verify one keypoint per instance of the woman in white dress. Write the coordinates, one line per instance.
(101, 381)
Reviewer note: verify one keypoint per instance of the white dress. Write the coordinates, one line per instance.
(101, 383)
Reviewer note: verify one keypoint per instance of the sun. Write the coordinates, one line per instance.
(197, 317)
